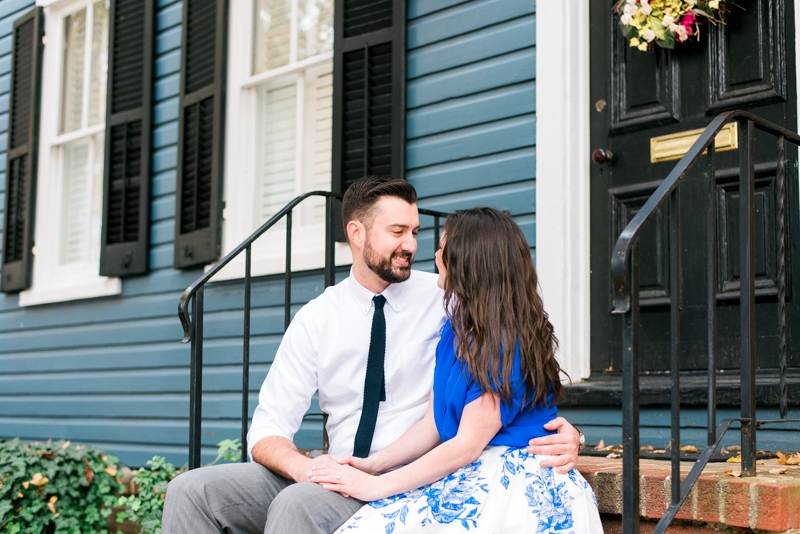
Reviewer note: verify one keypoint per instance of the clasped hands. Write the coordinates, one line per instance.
(355, 477)
(350, 476)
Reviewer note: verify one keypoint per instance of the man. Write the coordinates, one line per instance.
(367, 344)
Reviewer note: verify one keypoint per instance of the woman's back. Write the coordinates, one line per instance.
(454, 387)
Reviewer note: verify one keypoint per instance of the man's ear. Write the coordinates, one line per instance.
(356, 233)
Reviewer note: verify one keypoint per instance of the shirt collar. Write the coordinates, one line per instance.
(393, 294)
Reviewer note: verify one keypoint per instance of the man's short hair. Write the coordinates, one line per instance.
(360, 198)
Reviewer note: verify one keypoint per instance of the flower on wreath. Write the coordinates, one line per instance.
(665, 22)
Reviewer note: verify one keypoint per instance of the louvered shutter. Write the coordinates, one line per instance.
(23, 144)
(126, 174)
(368, 90)
(201, 132)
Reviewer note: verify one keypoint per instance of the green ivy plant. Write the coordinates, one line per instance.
(55, 488)
(146, 507)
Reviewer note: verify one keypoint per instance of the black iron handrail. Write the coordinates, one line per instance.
(193, 327)
(625, 279)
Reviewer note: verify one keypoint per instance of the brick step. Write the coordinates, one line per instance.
(769, 502)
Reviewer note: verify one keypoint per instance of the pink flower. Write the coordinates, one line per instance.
(687, 20)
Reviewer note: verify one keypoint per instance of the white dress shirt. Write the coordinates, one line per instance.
(325, 348)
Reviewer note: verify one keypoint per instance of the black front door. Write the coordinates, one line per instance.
(746, 63)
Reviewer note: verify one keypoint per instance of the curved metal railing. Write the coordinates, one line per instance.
(625, 280)
(195, 294)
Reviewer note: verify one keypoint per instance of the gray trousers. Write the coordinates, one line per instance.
(249, 498)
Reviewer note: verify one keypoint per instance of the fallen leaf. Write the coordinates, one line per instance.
(111, 471)
(65, 444)
(614, 455)
(690, 448)
(25, 484)
(778, 471)
(39, 480)
(788, 459)
(20, 495)
(600, 445)
(660, 451)
(723, 451)
(53, 499)
(646, 448)
(730, 472)
(735, 460)
(51, 507)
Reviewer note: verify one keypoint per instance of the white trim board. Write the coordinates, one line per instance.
(562, 175)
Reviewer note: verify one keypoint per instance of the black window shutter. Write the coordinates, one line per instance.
(201, 136)
(126, 175)
(368, 90)
(23, 145)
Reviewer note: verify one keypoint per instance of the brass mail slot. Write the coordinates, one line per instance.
(674, 146)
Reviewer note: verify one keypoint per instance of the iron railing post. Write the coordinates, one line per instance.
(196, 381)
(630, 403)
(246, 352)
(287, 280)
(747, 296)
(780, 176)
(711, 292)
(435, 241)
(675, 345)
(330, 265)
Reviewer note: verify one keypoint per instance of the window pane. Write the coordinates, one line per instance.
(81, 200)
(74, 50)
(75, 202)
(317, 130)
(272, 34)
(276, 145)
(315, 27)
(97, 82)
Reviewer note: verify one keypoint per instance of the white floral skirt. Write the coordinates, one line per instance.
(504, 491)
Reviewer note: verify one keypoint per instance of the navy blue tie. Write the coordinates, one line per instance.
(374, 383)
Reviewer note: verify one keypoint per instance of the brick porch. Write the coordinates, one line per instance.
(767, 502)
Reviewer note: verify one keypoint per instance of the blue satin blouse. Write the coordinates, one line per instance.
(454, 388)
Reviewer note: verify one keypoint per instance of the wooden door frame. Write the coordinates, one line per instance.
(562, 175)
(563, 113)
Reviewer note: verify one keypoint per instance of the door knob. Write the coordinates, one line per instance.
(601, 156)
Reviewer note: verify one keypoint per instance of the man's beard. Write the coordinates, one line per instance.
(384, 268)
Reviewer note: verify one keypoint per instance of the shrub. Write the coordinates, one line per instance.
(54, 487)
(146, 506)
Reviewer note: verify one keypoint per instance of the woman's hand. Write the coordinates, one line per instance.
(366, 465)
(349, 481)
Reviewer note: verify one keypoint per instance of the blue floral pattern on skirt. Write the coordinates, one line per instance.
(503, 491)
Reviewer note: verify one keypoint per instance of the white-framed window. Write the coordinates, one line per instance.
(69, 207)
(278, 132)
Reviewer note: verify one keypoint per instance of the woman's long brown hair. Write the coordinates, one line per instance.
(492, 299)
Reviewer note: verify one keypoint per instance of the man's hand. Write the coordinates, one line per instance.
(564, 444)
(362, 464)
(313, 464)
(282, 457)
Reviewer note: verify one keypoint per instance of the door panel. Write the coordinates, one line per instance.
(746, 63)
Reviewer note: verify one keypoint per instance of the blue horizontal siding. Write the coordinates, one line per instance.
(471, 108)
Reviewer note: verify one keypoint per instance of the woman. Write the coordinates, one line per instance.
(482, 395)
